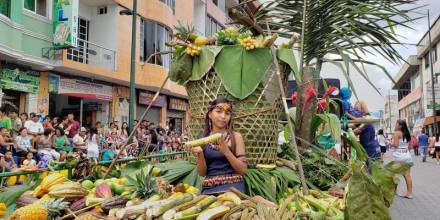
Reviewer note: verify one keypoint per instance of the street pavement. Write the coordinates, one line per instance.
(426, 187)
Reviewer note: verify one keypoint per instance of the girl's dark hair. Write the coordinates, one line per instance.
(404, 129)
(230, 126)
(380, 132)
(21, 129)
(47, 131)
(60, 130)
(92, 131)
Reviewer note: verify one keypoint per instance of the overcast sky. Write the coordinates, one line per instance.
(370, 96)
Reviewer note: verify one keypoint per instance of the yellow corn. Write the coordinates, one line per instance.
(204, 141)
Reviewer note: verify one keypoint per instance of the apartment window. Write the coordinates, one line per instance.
(220, 4)
(102, 10)
(426, 60)
(37, 6)
(434, 53)
(212, 26)
(153, 38)
(80, 53)
(5, 7)
(171, 4)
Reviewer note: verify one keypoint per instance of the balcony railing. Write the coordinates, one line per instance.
(93, 54)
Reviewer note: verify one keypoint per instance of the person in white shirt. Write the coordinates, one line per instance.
(33, 126)
(79, 140)
(383, 143)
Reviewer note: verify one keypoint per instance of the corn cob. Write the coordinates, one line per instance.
(204, 141)
(156, 211)
(214, 213)
(197, 208)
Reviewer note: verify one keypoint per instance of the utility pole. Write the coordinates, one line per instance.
(132, 67)
(431, 64)
(389, 108)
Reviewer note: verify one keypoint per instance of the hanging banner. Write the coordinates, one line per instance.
(79, 88)
(18, 80)
(65, 23)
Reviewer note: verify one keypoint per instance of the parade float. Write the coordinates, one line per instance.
(299, 179)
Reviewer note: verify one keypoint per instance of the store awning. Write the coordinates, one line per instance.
(429, 120)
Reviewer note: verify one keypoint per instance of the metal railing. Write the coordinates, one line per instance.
(93, 54)
(156, 157)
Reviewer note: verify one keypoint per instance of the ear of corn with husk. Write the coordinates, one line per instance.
(204, 141)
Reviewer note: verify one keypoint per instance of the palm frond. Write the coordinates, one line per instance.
(349, 29)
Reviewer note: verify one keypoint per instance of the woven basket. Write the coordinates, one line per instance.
(256, 117)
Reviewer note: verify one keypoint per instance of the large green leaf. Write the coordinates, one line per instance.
(203, 63)
(333, 124)
(287, 56)
(242, 71)
(364, 199)
(386, 176)
(181, 68)
(351, 139)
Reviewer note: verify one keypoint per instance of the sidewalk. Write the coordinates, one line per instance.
(426, 202)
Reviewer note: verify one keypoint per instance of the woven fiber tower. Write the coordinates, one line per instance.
(255, 117)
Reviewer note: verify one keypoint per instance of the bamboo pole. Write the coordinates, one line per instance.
(125, 144)
(289, 122)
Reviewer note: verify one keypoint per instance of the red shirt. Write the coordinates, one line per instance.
(74, 129)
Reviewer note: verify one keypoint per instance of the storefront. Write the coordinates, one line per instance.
(120, 104)
(154, 114)
(176, 113)
(88, 101)
(19, 89)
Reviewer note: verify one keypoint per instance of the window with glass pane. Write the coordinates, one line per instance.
(5, 7)
(154, 38)
(37, 6)
(29, 5)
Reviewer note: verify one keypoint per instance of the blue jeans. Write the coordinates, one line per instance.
(424, 152)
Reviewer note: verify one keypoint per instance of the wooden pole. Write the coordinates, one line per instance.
(289, 122)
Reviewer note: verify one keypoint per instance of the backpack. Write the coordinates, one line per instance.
(414, 142)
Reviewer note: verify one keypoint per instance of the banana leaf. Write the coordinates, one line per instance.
(203, 63)
(242, 71)
(364, 198)
(351, 139)
(387, 178)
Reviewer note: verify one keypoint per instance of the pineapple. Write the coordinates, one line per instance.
(49, 209)
(185, 33)
(145, 185)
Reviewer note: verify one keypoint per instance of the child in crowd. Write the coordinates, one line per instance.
(109, 153)
(29, 161)
(7, 163)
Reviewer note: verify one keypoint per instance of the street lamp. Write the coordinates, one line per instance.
(133, 13)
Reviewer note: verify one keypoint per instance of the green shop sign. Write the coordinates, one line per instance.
(20, 81)
(437, 106)
(65, 23)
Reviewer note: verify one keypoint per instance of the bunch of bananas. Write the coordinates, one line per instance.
(193, 50)
(248, 43)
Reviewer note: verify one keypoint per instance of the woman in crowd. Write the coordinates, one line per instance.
(123, 133)
(383, 143)
(400, 147)
(92, 144)
(44, 145)
(23, 143)
(24, 117)
(60, 142)
(224, 164)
